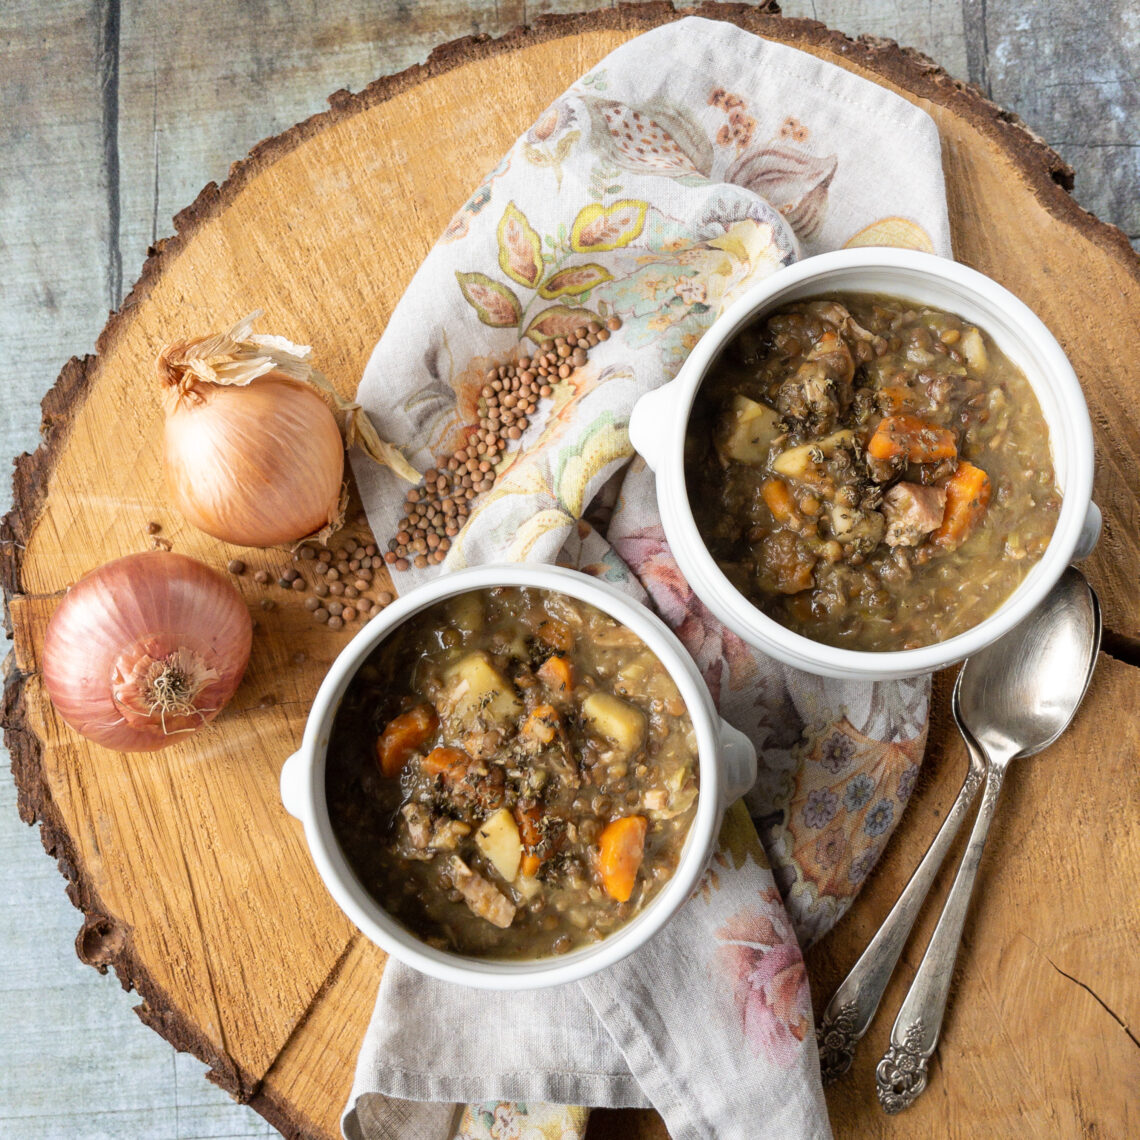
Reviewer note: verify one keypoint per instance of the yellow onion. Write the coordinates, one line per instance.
(257, 465)
(253, 453)
(144, 649)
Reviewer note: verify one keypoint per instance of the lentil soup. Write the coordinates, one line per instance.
(512, 774)
(870, 472)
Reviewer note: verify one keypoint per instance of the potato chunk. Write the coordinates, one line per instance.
(621, 723)
(973, 348)
(747, 431)
(478, 689)
(498, 840)
(798, 462)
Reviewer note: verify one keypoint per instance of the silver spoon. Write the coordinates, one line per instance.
(853, 1005)
(1014, 698)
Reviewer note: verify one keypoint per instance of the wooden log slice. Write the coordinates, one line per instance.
(195, 885)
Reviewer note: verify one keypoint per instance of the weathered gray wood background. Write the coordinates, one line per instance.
(113, 115)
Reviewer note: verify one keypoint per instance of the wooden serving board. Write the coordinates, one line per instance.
(197, 887)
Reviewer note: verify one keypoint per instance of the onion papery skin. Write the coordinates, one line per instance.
(259, 464)
(143, 610)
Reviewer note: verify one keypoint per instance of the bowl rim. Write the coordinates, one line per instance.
(714, 588)
(511, 974)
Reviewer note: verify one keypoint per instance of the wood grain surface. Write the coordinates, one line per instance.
(186, 865)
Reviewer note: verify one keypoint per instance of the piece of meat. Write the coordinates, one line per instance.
(810, 394)
(447, 833)
(912, 512)
(482, 898)
(417, 819)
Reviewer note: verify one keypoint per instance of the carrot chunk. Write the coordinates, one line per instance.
(542, 724)
(778, 496)
(558, 674)
(894, 399)
(621, 847)
(403, 735)
(915, 439)
(968, 493)
(557, 634)
(451, 763)
(530, 832)
(529, 821)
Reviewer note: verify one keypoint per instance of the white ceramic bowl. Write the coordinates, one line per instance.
(727, 770)
(657, 429)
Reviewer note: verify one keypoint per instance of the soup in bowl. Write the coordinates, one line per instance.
(513, 776)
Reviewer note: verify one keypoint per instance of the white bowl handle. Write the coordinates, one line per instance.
(294, 778)
(648, 423)
(1090, 532)
(738, 762)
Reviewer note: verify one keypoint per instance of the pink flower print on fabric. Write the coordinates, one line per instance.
(719, 653)
(759, 952)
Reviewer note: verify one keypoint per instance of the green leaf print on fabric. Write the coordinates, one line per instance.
(520, 249)
(495, 304)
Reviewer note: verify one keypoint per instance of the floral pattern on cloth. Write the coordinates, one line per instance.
(507, 1120)
(657, 194)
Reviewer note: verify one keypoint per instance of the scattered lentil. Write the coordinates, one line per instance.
(336, 623)
(235, 566)
(153, 527)
(262, 577)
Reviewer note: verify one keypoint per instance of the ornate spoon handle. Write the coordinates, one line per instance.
(901, 1075)
(854, 1003)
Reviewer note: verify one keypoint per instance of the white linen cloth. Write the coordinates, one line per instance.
(688, 164)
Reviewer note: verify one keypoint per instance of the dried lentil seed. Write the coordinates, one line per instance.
(153, 527)
(321, 614)
(348, 614)
(298, 584)
(235, 566)
(335, 623)
(321, 589)
(261, 577)
(312, 604)
(268, 604)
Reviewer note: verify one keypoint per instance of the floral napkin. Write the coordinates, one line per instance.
(690, 163)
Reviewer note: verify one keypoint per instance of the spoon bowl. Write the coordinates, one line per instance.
(1024, 689)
